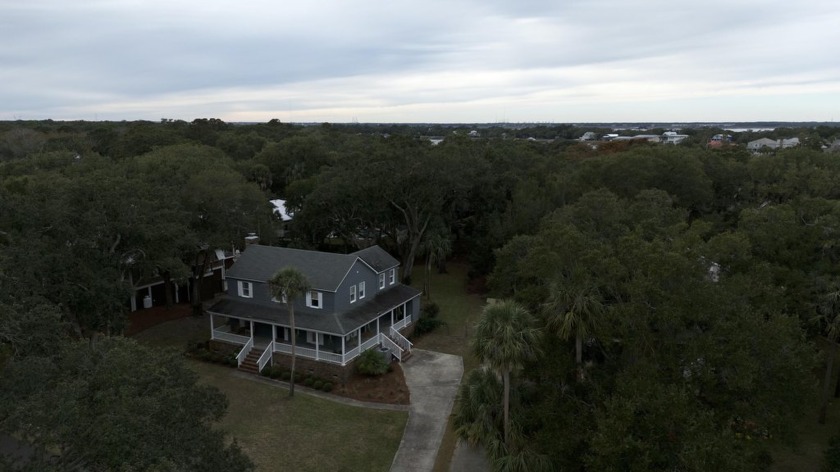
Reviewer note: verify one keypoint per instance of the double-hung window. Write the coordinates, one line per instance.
(246, 289)
(313, 299)
(352, 293)
(392, 276)
(361, 290)
(382, 280)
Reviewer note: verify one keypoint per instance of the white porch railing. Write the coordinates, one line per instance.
(229, 337)
(401, 340)
(244, 352)
(308, 353)
(402, 323)
(265, 358)
(392, 347)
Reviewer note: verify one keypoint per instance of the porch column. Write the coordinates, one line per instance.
(359, 339)
(392, 317)
(377, 325)
(316, 346)
(343, 352)
(273, 336)
(212, 329)
(134, 301)
(177, 296)
(252, 329)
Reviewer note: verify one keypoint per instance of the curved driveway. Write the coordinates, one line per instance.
(433, 379)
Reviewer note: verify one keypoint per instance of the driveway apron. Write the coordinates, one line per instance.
(433, 379)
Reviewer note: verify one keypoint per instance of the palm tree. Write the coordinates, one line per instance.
(574, 312)
(287, 284)
(831, 319)
(504, 339)
(437, 247)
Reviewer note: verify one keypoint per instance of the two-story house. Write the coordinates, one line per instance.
(356, 303)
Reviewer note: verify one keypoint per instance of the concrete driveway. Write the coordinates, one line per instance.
(433, 379)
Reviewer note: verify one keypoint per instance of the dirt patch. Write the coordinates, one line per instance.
(387, 388)
(141, 320)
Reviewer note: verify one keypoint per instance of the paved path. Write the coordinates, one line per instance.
(433, 379)
(469, 459)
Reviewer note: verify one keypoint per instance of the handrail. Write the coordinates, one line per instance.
(401, 340)
(244, 352)
(395, 349)
(265, 357)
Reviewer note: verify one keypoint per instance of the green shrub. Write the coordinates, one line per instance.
(427, 324)
(286, 375)
(266, 372)
(231, 361)
(371, 363)
(327, 387)
(276, 372)
(431, 309)
(309, 381)
(318, 384)
(299, 376)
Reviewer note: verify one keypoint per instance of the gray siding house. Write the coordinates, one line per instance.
(356, 303)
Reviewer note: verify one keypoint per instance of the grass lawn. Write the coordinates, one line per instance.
(460, 310)
(303, 434)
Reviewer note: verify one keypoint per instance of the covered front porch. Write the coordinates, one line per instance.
(268, 338)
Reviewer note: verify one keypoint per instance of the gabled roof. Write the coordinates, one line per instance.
(377, 258)
(325, 270)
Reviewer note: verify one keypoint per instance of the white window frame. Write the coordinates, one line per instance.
(382, 280)
(352, 294)
(361, 290)
(245, 289)
(311, 337)
(392, 276)
(318, 300)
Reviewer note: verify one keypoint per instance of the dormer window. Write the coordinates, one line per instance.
(313, 299)
(392, 276)
(382, 280)
(246, 289)
(352, 293)
(361, 290)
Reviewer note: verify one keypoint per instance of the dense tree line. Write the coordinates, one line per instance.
(672, 294)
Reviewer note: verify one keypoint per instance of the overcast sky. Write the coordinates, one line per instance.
(420, 61)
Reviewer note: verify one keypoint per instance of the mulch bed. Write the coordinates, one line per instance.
(387, 388)
(146, 318)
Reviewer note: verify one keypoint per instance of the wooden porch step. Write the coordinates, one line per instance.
(406, 355)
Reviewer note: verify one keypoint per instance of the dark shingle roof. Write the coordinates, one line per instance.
(335, 323)
(377, 258)
(325, 270)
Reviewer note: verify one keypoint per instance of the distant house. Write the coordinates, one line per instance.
(356, 303)
(588, 136)
(834, 146)
(766, 143)
(719, 140)
(672, 137)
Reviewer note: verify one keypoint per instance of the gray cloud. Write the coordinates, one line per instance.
(410, 61)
